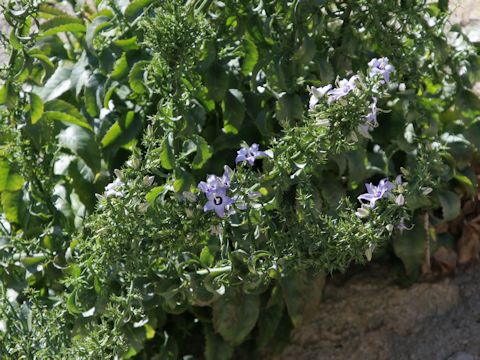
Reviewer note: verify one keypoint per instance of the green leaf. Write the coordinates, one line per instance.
(450, 203)
(57, 84)
(215, 347)
(120, 69)
(9, 180)
(206, 257)
(270, 317)
(61, 110)
(235, 315)
(251, 55)
(410, 248)
(36, 108)
(301, 293)
(135, 8)
(153, 194)
(135, 77)
(71, 304)
(289, 108)
(183, 180)
(11, 202)
(117, 129)
(203, 152)
(233, 111)
(61, 23)
(167, 159)
(82, 143)
(216, 81)
(7, 95)
(127, 44)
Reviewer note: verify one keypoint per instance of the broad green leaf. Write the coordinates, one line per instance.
(135, 8)
(167, 159)
(215, 347)
(120, 69)
(57, 84)
(9, 180)
(270, 318)
(127, 44)
(11, 201)
(45, 9)
(450, 203)
(410, 248)
(61, 110)
(82, 143)
(61, 23)
(183, 180)
(71, 304)
(169, 348)
(36, 108)
(250, 58)
(233, 111)
(235, 315)
(116, 130)
(7, 95)
(203, 152)
(289, 108)
(206, 257)
(136, 79)
(301, 293)
(153, 194)
(216, 81)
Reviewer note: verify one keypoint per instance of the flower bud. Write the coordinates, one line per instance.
(148, 180)
(362, 212)
(389, 227)
(400, 200)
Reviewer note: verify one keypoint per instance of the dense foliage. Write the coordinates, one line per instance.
(117, 242)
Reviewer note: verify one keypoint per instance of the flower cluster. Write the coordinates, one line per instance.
(379, 74)
(383, 190)
(115, 188)
(215, 188)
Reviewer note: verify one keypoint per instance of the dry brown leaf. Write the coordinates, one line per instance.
(469, 243)
(446, 259)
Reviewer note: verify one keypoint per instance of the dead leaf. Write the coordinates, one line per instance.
(469, 243)
(446, 259)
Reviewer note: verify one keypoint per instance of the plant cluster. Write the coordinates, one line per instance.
(254, 150)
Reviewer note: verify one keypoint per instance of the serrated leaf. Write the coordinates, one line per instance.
(135, 8)
(203, 152)
(9, 180)
(36, 108)
(450, 203)
(235, 315)
(136, 79)
(61, 23)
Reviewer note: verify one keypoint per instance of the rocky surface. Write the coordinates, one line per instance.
(370, 317)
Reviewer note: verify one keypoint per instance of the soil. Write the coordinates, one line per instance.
(370, 317)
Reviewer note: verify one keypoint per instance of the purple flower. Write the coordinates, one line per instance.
(382, 67)
(374, 193)
(370, 121)
(317, 94)
(249, 154)
(215, 189)
(343, 88)
(218, 201)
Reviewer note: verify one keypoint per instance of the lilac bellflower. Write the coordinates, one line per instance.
(343, 88)
(375, 193)
(317, 94)
(218, 201)
(370, 121)
(249, 154)
(381, 66)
